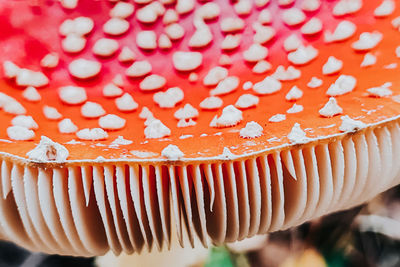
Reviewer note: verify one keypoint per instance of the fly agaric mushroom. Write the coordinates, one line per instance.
(316, 137)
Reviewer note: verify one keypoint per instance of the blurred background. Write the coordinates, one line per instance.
(368, 235)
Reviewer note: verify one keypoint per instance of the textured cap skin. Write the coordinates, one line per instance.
(30, 34)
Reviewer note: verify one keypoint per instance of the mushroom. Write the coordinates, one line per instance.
(203, 168)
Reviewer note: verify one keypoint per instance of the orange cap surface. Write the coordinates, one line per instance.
(30, 32)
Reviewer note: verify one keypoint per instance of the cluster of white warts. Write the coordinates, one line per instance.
(74, 32)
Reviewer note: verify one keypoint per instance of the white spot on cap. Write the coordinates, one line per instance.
(314, 82)
(146, 40)
(170, 16)
(303, 55)
(172, 152)
(263, 34)
(350, 125)
(261, 3)
(343, 85)
(231, 41)
(72, 95)
(10, 69)
(201, 37)
(152, 82)
(333, 65)
(116, 26)
(277, 118)
(156, 129)
(247, 85)
(297, 135)
(92, 110)
(251, 130)
(187, 61)
(69, 4)
(367, 41)
(313, 26)
(20, 133)
(112, 122)
(73, 43)
(225, 60)
(295, 109)
(230, 116)
(105, 47)
(264, 17)
(193, 77)
(146, 113)
(293, 16)
(380, 91)
(310, 5)
(385, 9)
(344, 30)
(111, 90)
(12, 106)
(126, 103)
(27, 77)
(31, 94)
(396, 23)
(187, 112)
(142, 154)
(184, 6)
(331, 108)
(267, 86)
(294, 94)
(126, 55)
(169, 98)
(50, 60)
(215, 75)
(369, 60)
(247, 101)
(93, 134)
(25, 121)
(255, 52)
(182, 123)
(174, 31)
(212, 102)
(227, 154)
(209, 10)
(226, 86)
(118, 80)
(139, 69)
(232, 24)
(120, 140)
(345, 7)
(51, 113)
(292, 42)
(390, 66)
(147, 14)
(164, 42)
(79, 26)
(48, 150)
(122, 10)
(290, 74)
(261, 66)
(84, 69)
(67, 126)
(243, 7)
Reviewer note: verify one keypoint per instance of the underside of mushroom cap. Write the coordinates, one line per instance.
(128, 124)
